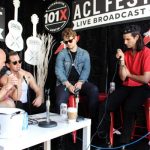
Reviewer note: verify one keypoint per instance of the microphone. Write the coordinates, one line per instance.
(25, 80)
(76, 91)
(118, 49)
(117, 52)
(8, 72)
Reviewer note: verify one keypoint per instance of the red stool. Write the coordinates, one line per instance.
(111, 133)
(103, 97)
(71, 101)
(147, 114)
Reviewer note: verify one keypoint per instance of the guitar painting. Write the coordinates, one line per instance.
(14, 39)
(33, 44)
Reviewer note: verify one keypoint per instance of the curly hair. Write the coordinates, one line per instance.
(68, 32)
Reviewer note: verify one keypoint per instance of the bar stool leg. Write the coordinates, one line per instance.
(147, 112)
(111, 128)
(71, 103)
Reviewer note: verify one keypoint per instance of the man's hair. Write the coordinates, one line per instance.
(11, 53)
(68, 32)
(135, 30)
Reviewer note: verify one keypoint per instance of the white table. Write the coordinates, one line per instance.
(35, 134)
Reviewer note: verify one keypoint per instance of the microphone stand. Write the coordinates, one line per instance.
(76, 94)
(48, 123)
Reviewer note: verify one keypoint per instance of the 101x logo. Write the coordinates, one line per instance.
(56, 16)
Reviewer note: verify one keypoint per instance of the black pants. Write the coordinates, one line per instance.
(131, 99)
(88, 89)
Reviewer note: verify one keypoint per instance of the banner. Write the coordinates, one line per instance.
(2, 23)
(92, 13)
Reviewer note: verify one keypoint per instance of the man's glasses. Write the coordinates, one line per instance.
(16, 62)
(69, 41)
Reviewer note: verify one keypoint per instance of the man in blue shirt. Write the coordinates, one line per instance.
(72, 70)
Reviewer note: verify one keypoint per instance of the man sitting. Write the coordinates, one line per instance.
(25, 79)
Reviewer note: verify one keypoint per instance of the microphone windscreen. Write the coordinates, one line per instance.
(118, 49)
(76, 90)
(8, 72)
(119, 56)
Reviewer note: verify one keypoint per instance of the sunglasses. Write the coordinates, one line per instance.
(69, 41)
(16, 62)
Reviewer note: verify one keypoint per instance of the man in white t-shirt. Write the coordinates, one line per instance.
(25, 80)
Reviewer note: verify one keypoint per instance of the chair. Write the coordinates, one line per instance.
(103, 97)
(71, 101)
(147, 114)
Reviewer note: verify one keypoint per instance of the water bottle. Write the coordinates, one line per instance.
(112, 87)
(25, 121)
